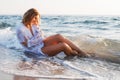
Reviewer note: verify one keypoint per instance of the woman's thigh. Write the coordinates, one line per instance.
(53, 49)
(51, 40)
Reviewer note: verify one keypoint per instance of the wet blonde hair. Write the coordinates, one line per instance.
(29, 15)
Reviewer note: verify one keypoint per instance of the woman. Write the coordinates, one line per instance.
(32, 39)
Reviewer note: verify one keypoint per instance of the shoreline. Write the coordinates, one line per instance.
(6, 76)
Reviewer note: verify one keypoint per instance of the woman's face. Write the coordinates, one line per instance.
(35, 20)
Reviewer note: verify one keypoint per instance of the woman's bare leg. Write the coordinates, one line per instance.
(53, 50)
(58, 38)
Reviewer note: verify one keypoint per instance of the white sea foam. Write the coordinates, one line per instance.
(94, 34)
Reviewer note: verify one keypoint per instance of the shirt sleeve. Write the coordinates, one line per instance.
(20, 36)
(31, 41)
(41, 33)
(37, 39)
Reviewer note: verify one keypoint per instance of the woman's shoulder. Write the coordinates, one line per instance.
(20, 27)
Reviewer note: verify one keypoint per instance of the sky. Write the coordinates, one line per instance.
(62, 7)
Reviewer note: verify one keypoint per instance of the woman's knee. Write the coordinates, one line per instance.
(59, 37)
(65, 45)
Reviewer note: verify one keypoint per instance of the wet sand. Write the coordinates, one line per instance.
(5, 76)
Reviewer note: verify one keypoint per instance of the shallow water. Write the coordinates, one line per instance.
(58, 67)
(93, 34)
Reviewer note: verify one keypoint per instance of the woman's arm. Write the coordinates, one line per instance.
(21, 37)
(24, 43)
(29, 42)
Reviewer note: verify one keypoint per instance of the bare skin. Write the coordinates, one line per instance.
(57, 43)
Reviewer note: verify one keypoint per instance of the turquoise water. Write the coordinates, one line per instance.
(94, 34)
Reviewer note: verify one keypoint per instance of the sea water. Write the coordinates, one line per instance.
(93, 34)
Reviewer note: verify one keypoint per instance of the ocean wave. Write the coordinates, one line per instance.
(9, 20)
(94, 22)
(8, 38)
(86, 22)
(4, 24)
(116, 26)
(57, 67)
(87, 43)
(116, 19)
(106, 59)
(81, 30)
(102, 48)
(50, 18)
(99, 28)
(76, 22)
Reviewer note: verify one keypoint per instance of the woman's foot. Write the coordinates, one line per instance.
(83, 54)
(86, 54)
(74, 53)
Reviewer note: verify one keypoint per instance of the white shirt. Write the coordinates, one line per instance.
(34, 42)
